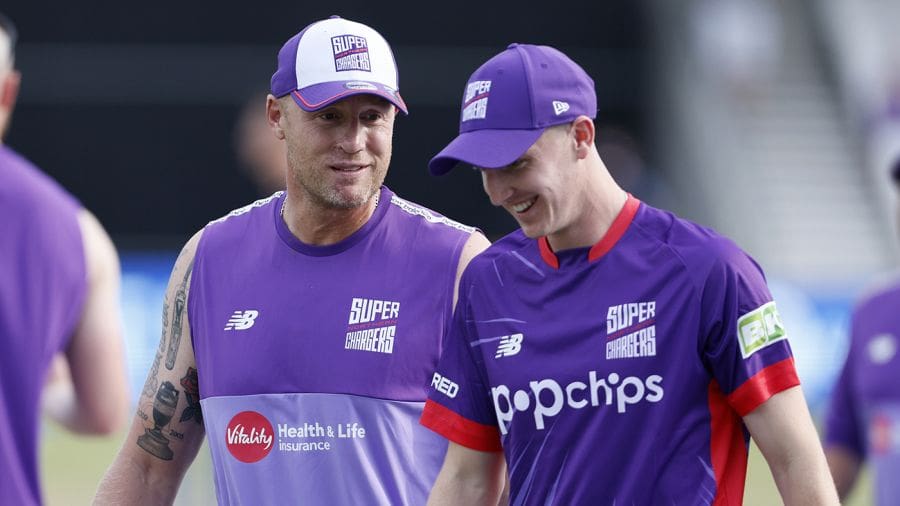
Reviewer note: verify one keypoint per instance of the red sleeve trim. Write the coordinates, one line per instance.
(485, 438)
(761, 386)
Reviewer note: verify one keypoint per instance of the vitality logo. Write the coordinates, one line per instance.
(242, 320)
(249, 436)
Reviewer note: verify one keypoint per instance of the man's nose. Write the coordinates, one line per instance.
(495, 186)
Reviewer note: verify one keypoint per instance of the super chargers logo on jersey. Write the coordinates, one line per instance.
(631, 330)
(372, 325)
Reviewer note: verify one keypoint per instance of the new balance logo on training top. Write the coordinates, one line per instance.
(242, 320)
(509, 345)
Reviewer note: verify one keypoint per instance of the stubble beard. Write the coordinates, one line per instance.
(331, 196)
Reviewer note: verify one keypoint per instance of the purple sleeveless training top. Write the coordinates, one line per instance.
(42, 288)
(314, 362)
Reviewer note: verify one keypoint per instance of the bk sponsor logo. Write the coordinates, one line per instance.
(249, 436)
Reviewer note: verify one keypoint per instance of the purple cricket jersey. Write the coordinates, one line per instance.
(615, 374)
(314, 362)
(42, 267)
(864, 415)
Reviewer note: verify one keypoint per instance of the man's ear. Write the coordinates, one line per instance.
(9, 89)
(274, 115)
(583, 130)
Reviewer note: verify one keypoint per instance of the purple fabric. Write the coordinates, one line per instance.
(864, 413)
(521, 91)
(42, 270)
(320, 454)
(315, 97)
(360, 321)
(523, 329)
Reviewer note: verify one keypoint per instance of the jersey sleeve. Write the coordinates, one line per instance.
(842, 424)
(745, 346)
(459, 406)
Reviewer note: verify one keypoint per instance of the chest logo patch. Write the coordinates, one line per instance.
(509, 345)
(242, 320)
(631, 330)
(372, 325)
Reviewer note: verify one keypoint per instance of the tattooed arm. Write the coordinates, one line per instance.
(167, 429)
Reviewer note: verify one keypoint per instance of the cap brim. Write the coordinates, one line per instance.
(315, 97)
(485, 149)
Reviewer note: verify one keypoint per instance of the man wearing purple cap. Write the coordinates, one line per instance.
(863, 421)
(609, 352)
(300, 332)
(59, 286)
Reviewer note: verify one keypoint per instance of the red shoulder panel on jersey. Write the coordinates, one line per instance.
(485, 438)
(763, 385)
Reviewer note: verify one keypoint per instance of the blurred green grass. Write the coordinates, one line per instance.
(73, 466)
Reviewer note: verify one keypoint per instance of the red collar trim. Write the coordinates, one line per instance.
(606, 243)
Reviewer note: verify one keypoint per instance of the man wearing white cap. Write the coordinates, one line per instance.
(609, 352)
(300, 332)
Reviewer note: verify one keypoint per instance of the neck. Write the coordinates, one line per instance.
(601, 200)
(318, 225)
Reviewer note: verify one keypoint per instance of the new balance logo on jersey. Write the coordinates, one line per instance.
(509, 345)
(242, 320)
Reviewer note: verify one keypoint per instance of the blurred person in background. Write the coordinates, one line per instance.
(260, 154)
(301, 332)
(60, 327)
(608, 352)
(863, 420)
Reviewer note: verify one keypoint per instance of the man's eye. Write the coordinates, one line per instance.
(372, 116)
(328, 115)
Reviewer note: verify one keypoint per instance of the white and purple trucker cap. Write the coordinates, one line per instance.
(510, 100)
(335, 58)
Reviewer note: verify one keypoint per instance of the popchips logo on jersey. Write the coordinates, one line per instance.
(760, 328)
(372, 325)
(476, 100)
(249, 436)
(351, 52)
(547, 397)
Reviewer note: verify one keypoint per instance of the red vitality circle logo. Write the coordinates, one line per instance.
(249, 436)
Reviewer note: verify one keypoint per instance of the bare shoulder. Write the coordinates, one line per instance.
(475, 244)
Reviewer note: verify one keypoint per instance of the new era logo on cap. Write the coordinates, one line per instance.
(560, 107)
(333, 59)
(530, 88)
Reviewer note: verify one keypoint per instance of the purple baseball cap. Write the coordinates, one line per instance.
(333, 59)
(509, 102)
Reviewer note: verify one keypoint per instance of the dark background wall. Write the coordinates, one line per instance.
(131, 105)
